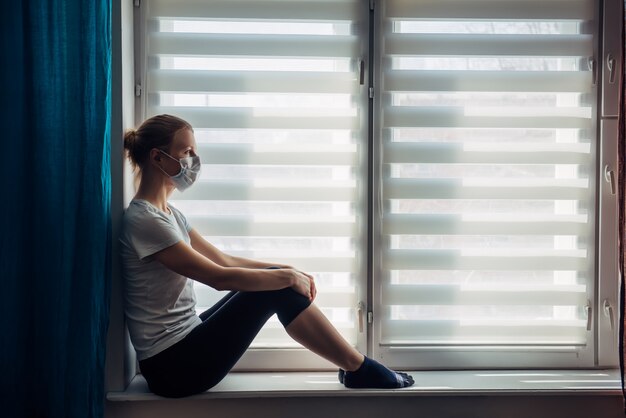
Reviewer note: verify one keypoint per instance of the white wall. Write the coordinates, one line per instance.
(120, 366)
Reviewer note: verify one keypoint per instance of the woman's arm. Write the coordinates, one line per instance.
(213, 253)
(188, 262)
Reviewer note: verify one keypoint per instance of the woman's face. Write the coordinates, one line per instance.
(183, 145)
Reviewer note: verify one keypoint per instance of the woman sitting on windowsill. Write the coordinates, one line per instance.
(180, 353)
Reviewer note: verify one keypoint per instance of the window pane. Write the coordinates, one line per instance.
(487, 178)
(274, 103)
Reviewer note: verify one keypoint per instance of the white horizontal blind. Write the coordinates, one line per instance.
(271, 89)
(488, 188)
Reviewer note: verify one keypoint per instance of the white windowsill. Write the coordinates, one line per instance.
(457, 383)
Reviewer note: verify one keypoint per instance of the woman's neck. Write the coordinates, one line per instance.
(155, 191)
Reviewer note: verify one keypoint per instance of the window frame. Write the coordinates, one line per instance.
(121, 361)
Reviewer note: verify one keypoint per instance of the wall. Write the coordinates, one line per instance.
(120, 366)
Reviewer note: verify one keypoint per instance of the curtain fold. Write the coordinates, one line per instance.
(55, 212)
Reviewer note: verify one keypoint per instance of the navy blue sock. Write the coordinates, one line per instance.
(372, 374)
(342, 373)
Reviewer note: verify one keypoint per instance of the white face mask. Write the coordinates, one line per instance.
(188, 174)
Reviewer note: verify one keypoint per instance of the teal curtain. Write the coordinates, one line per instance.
(55, 92)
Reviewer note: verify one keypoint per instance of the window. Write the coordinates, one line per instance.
(487, 180)
(436, 164)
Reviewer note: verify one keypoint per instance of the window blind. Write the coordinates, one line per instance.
(272, 90)
(487, 197)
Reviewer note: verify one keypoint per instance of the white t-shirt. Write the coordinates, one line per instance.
(159, 303)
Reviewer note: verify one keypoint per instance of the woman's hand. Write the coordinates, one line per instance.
(304, 284)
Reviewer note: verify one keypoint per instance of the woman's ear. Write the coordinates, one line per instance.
(155, 155)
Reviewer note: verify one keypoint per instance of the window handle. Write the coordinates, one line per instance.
(609, 176)
(610, 64)
(360, 311)
(589, 315)
(608, 311)
(591, 64)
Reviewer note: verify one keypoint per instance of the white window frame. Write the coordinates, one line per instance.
(607, 301)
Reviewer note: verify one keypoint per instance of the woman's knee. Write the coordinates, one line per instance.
(291, 304)
(285, 303)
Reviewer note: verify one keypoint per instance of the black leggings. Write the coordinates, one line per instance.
(202, 359)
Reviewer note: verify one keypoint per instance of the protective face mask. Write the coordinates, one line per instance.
(189, 171)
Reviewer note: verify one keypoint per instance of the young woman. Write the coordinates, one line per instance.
(179, 352)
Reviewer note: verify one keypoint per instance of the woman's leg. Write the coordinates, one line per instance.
(311, 329)
(314, 331)
(211, 349)
(206, 314)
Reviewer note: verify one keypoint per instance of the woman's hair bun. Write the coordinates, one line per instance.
(129, 139)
